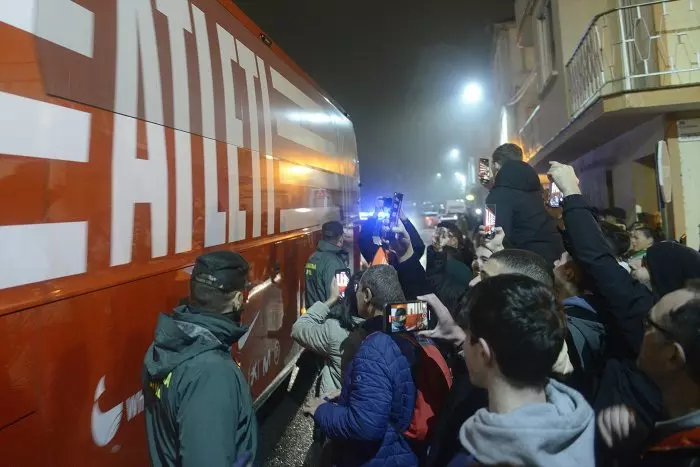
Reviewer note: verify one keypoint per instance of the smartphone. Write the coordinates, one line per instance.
(484, 169)
(395, 210)
(490, 221)
(407, 316)
(342, 278)
(383, 208)
(556, 197)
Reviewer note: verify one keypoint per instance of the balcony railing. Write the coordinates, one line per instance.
(637, 47)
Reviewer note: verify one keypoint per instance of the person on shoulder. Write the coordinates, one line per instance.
(514, 331)
(670, 357)
(198, 407)
(516, 199)
(321, 267)
(366, 423)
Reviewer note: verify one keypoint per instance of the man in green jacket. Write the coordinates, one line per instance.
(199, 411)
(327, 259)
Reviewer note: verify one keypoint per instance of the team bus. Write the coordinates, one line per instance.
(134, 136)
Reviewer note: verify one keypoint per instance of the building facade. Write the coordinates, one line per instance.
(612, 87)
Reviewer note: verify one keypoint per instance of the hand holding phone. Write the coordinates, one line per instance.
(556, 197)
(391, 221)
(407, 316)
(489, 222)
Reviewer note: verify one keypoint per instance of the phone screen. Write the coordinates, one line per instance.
(490, 220)
(406, 316)
(383, 213)
(342, 278)
(484, 172)
(395, 210)
(556, 197)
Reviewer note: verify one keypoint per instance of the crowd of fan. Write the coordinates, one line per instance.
(558, 339)
(575, 344)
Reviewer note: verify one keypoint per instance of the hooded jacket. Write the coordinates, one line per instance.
(559, 432)
(320, 271)
(516, 198)
(199, 411)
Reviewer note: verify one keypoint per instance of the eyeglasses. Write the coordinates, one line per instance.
(650, 324)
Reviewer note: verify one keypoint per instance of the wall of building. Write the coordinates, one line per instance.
(685, 178)
(632, 183)
(576, 15)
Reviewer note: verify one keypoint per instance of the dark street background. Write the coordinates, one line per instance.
(398, 69)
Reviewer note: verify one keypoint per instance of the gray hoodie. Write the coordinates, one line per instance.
(558, 433)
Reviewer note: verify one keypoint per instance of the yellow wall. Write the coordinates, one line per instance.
(644, 181)
(680, 41)
(576, 15)
(685, 174)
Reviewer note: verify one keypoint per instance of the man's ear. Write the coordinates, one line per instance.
(677, 357)
(367, 294)
(486, 352)
(569, 272)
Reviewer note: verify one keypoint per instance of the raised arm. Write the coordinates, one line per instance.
(628, 301)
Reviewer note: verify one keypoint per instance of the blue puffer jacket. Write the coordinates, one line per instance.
(375, 407)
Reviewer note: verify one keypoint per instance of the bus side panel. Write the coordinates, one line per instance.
(73, 361)
(19, 388)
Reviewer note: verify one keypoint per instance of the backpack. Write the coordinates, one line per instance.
(433, 380)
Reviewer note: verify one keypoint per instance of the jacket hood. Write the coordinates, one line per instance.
(671, 265)
(560, 432)
(185, 334)
(327, 247)
(579, 302)
(519, 176)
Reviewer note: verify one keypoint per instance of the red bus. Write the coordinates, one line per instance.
(135, 135)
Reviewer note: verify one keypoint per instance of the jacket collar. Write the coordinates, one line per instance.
(212, 327)
(327, 247)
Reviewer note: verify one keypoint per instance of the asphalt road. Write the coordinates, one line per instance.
(285, 433)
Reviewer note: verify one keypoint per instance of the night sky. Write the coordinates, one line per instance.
(398, 69)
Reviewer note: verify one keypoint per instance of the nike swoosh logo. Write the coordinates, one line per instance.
(242, 341)
(104, 425)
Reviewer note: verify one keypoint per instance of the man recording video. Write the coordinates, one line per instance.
(516, 198)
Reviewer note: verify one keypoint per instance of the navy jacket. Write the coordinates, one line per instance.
(374, 409)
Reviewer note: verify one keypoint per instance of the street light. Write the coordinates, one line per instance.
(472, 93)
(439, 175)
(470, 197)
(454, 154)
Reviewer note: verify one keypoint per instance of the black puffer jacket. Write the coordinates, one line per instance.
(517, 198)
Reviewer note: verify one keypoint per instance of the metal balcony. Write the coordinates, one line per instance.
(634, 48)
